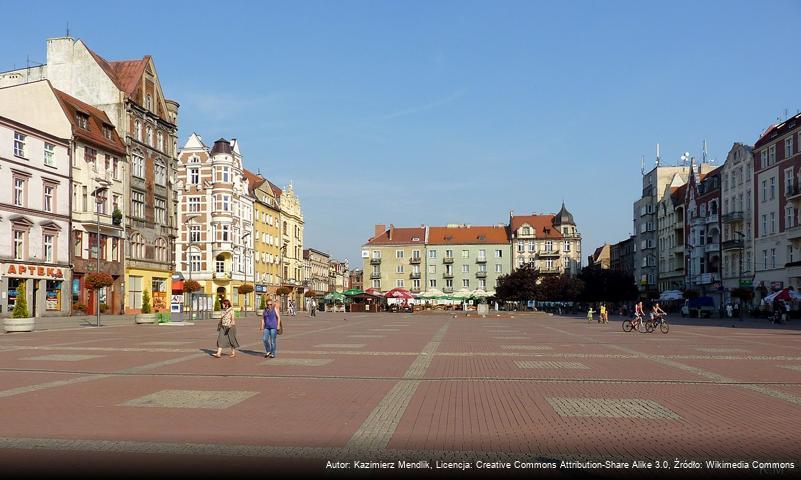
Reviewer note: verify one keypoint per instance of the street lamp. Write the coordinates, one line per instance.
(101, 195)
(189, 219)
(740, 276)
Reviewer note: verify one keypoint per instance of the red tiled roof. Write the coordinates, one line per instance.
(129, 73)
(276, 191)
(463, 235)
(254, 180)
(542, 225)
(97, 118)
(403, 235)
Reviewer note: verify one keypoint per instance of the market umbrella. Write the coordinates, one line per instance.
(353, 291)
(374, 291)
(461, 294)
(399, 293)
(479, 293)
(671, 295)
(336, 296)
(433, 293)
(785, 294)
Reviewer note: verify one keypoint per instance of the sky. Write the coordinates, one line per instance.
(421, 112)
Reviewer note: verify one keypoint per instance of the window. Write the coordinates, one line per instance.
(772, 222)
(772, 258)
(465, 283)
(149, 135)
(160, 212)
(398, 253)
(482, 254)
(764, 225)
(399, 269)
(149, 102)
(789, 223)
(764, 157)
(19, 191)
(224, 174)
(137, 246)
(416, 284)
(219, 264)
(432, 254)
(521, 246)
(532, 246)
(77, 245)
(138, 166)
(194, 233)
(465, 253)
(82, 120)
(194, 176)
(49, 154)
(194, 204)
(85, 201)
(194, 262)
(137, 204)
(482, 283)
(432, 283)
(432, 269)
(498, 268)
(47, 243)
(771, 154)
(160, 171)
(526, 230)
(115, 249)
(138, 130)
(567, 246)
(465, 268)
(377, 284)
(19, 144)
(225, 233)
(49, 198)
(223, 203)
(115, 165)
(788, 147)
(764, 190)
(482, 267)
(549, 246)
(416, 254)
(498, 253)
(765, 259)
(161, 250)
(772, 188)
(789, 253)
(134, 292)
(399, 283)
(19, 245)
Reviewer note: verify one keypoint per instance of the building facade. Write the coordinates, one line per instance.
(777, 201)
(702, 237)
(622, 255)
(550, 243)
(601, 257)
(35, 206)
(395, 258)
(463, 257)
(267, 242)
(355, 279)
(737, 219)
(215, 245)
(318, 270)
(670, 238)
(292, 245)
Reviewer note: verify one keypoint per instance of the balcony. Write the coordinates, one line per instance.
(679, 269)
(481, 260)
(550, 270)
(414, 275)
(706, 278)
(712, 247)
(447, 275)
(679, 249)
(375, 261)
(712, 218)
(549, 254)
(375, 276)
(447, 290)
(481, 274)
(732, 245)
(732, 217)
(793, 193)
(447, 260)
(794, 233)
(222, 247)
(414, 260)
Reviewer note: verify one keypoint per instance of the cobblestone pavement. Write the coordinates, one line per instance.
(400, 387)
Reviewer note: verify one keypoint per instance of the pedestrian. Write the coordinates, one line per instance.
(271, 322)
(313, 307)
(729, 310)
(226, 331)
(602, 318)
(589, 314)
(291, 308)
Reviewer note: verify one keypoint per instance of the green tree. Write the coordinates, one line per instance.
(604, 285)
(146, 302)
(564, 288)
(217, 304)
(21, 303)
(520, 285)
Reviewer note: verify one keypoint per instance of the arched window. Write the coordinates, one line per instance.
(160, 172)
(137, 246)
(160, 141)
(149, 135)
(286, 229)
(149, 102)
(138, 130)
(161, 250)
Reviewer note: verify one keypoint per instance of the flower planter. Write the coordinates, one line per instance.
(146, 318)
(19, 324)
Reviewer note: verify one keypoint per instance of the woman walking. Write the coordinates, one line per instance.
(226, 336)
(271, 322)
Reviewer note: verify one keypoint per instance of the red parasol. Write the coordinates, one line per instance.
(399, 293)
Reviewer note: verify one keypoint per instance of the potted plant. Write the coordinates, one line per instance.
(21, 320)
(245, 289)
(217, 313)
(116, 216)
(146, 316)
(97, 280)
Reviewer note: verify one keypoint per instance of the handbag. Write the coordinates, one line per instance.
(280, 330)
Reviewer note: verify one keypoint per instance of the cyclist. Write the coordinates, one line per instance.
(639, 313)
(656, 313)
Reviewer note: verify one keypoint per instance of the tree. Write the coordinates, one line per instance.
(217, 304)
(98, 280)
(520, 285)
(21, 303)
(146, 302)
(605, 285)
(566, 288)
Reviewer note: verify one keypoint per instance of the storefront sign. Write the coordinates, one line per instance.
(746, 283)
(261, 288)
(32, 271)
(53, 299)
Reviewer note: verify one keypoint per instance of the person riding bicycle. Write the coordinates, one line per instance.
(639, 313)
(656, 312)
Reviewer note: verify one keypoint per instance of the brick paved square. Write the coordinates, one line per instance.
(339, 345)
(553, 365)
(792, 367)
(367, 336)
(218, 400)
(722, 350)
(298, 362)
(63, 358)
(610, 408)
(165, 344)
(526, 347)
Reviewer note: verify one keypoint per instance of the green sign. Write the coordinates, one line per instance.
(747, 283)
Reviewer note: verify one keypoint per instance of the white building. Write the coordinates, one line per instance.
(737, 217)
(35, 144)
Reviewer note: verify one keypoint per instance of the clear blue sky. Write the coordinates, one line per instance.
(450, 111)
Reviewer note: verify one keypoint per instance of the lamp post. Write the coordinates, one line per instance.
(189, 219)
(101, 195)
(740, 276)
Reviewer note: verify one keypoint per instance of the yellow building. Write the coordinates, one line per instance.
(394, 258)
(267, 241)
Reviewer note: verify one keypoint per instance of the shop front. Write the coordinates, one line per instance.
(46, 289)
(158, 285)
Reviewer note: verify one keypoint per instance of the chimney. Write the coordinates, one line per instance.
(379, 229)
(391, 230)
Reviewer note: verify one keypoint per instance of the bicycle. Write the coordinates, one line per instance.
(659, 321)
(630, 324)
